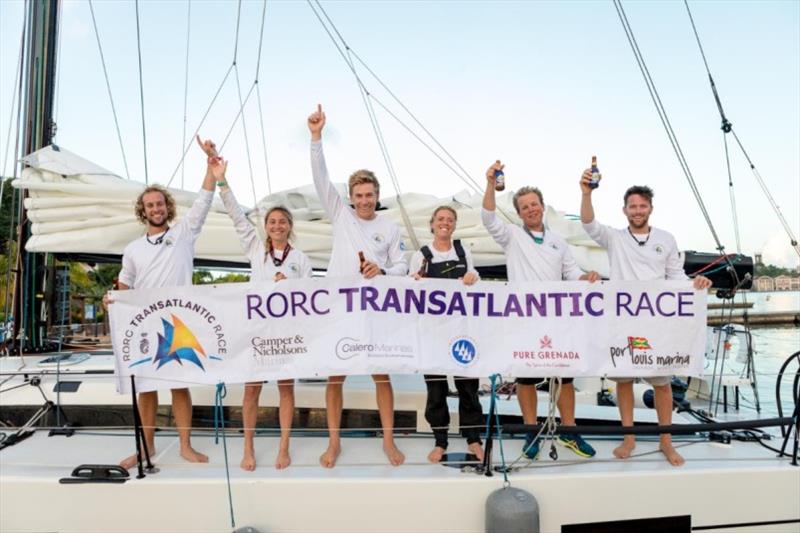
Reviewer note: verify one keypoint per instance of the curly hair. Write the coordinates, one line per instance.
(168, 199)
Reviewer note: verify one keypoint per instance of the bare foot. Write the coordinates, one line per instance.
(192, 455)
(283, 460)
(395, 456)
(248, 463)
(672, 455)
(477, 450)
(624, 450)
(130, 462)
(328, 459)
(436, 454)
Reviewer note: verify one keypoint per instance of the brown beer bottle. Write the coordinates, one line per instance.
(423, 270)
(361, 261)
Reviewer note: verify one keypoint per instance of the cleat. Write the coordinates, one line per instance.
(577, 444)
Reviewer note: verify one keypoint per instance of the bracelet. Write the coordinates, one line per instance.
(222, 183)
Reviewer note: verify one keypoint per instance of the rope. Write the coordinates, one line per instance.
(219, 421)
(498, 428)
(665, 120)
(372, 117)
(258, 94)
(17, 81)
(200, 125)
(727, 127)
(244, 130)
(108, 89)
(186, 78)
(141, 91)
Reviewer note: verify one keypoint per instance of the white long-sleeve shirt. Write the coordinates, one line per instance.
(657, 259)
(525, 259)
(262, 267)
(378, 238)
(169, 263)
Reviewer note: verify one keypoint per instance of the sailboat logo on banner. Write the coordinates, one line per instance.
(177, 343)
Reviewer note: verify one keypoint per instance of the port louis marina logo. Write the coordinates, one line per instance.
(547, 355)
(641, 352)
(177, 342)
(464, 350)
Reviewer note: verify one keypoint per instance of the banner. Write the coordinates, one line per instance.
(312, 328)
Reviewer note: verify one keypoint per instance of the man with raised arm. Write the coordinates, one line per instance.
(535, 254)
(639, 252)
(358, 231)
(164, 257)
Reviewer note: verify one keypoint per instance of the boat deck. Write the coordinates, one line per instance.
(719, 484)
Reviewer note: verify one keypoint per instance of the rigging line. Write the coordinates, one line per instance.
(466, 174)
(263, 140)
(236, 38)
(258, 96)
(17, 83)
(261, 38)
(108, 88)
(141, 91)
(732, 196)
(665, 120)
(236, 118)
(186, 79)
(244, 129)
(727, 127)
(465, 177)
(200, 125)
(375, 127)
(769, 196)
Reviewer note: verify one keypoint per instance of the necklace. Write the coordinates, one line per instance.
(537, 240)
(640, 243)
(275, 261)
(159, 240)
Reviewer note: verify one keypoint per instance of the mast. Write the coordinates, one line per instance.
(29, 307)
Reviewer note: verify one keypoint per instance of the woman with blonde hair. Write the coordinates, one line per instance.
(274, 259)
(447, 258)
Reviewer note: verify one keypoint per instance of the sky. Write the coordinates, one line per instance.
(542, 86)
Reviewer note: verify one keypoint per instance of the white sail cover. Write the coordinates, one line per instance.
(76, 206)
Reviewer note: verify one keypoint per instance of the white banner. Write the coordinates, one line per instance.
(309, 328)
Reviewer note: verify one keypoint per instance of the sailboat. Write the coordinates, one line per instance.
(78, 207)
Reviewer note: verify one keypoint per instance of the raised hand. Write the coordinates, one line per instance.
(217, 168)
(316, 121)
(585, 178)
(208, 147)
(492, 169)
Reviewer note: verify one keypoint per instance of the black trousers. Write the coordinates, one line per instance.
(469, 408)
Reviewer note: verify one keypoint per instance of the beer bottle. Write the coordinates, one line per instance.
(423, 270)
(499, 180)
(361, 262)
(596, 176)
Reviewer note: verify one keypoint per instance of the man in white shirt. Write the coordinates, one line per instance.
(164, 257)
(639, 252)
(357, 232)
(535, 254)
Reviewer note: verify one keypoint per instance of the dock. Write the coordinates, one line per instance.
(757, 319)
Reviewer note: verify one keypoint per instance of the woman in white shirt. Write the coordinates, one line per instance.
(271, 260)
(446, 258)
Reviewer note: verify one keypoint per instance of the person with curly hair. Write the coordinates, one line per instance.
(164, 257)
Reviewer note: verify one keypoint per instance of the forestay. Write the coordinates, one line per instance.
(312, 328)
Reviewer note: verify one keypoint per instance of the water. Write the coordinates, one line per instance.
(773, 345)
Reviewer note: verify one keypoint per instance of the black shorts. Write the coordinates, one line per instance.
(537, 381)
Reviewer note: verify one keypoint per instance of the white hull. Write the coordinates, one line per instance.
(741, 483)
